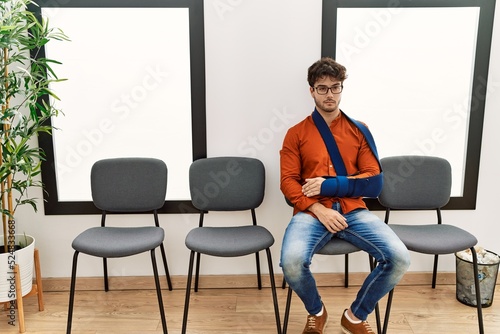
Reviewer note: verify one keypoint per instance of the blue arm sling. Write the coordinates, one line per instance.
(340, 185)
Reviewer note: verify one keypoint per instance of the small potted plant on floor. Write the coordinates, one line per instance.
(25, 84)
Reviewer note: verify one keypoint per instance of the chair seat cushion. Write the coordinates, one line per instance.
(112, 242)
(229, 241)
(338, 246)
(434, 238)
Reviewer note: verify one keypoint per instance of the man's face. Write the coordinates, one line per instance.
(330, 101)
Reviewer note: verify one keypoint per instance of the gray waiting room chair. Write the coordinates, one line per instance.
(416, 183)
(228, 184)
(125, 186)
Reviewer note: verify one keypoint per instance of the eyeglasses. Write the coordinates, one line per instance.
(323, 90)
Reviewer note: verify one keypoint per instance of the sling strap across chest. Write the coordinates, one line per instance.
(341, 185)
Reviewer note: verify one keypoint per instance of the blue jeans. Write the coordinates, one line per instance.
(305, 235)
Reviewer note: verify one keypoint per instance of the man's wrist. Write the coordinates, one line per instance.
(315, 207)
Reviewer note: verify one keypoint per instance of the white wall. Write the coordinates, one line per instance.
(257, 55)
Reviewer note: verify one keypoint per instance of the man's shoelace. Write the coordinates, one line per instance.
(311, 322)
(368, 328)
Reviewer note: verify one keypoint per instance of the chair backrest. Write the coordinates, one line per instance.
(129, 184)
(227, 183)
(415, 182)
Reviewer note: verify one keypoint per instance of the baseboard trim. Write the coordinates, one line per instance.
(53, 284)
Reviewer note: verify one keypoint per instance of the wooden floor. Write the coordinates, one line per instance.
(416, 309)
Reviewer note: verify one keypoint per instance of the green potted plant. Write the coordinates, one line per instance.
(25, 84)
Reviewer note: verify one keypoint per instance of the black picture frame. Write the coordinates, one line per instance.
(52, 204)
(480, 77)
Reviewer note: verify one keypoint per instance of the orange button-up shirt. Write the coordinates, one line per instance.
(304, 155)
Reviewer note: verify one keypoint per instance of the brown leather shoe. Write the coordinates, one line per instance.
(349, 328)
(316, 325)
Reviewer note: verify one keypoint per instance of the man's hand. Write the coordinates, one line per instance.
(312, 187)
(332, 219)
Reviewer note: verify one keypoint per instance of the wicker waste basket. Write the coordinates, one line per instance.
(488, 263)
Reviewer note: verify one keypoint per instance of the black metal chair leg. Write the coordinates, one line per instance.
(373, 263)
(197, 275)
(164, 257)
(273, 290)
(377, 319)
(72, 293)
(388, 311)
(259, 278)
(434, 271)
(158, 292)
(188, 293)
(287, 310)
(478, 291)
(346, 270)
(105, 269)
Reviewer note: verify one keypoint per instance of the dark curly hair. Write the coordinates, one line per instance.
(325, 67)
